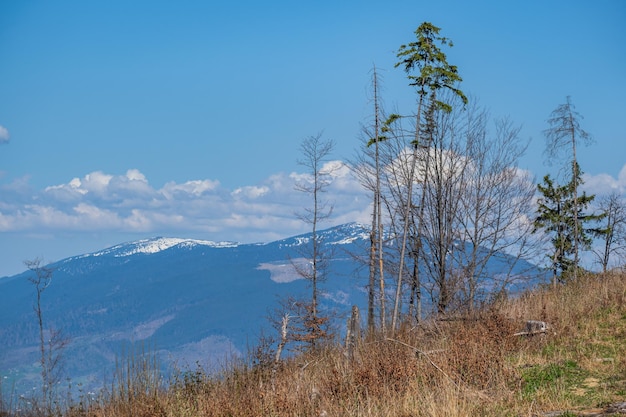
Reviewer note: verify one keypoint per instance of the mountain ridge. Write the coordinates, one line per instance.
(154, 245)
(190, 300)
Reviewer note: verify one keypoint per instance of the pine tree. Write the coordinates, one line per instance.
(565, 132)
(561, 214)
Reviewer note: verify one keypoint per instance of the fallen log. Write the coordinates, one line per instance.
(534, 327)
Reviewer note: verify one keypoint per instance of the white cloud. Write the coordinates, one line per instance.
(251, 192)
(97, 217)
(71, 191)
(621, 178)
(127, 203)
(335, 168)
(138, 221)
(75, 184)
(98, 185)
(96, 182)
(4, 134)
(604, 184)
(135, 175)
(299, 177)
(195, 187)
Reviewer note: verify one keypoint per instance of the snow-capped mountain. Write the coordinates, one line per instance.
(188, 300)
(157, 245)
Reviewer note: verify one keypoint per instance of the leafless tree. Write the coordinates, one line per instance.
(399, 169)
(393, 174)
(314, 154)
(444, 178)
(614, 207)
(495, 206)
(476, 207)
(471, 206)
(51, 341)
(367, 168)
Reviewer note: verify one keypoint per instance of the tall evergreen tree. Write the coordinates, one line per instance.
(561, 214)
(565, 132)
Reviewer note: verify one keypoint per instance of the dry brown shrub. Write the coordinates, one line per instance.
(478, 348)
(467, 366)
(385, 366)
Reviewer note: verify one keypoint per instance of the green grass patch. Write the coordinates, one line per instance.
(566, 374)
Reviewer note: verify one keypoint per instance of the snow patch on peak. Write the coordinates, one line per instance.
(349, 239)
(339, 235)
(150, 246)
(348, 233)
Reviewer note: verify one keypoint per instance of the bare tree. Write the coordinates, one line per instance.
(444, 178)
(51, 341)
(383, 167)
(314, 155)
(495, 205)
(398, 168)
(428, 131)
(377, 222)
(614, 207)
(472, 207)
(368, 169)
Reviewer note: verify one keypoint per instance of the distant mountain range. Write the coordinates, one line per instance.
(190, 301)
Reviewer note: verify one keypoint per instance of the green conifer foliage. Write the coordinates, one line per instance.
(557, 216)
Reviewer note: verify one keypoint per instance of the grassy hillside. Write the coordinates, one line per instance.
(466, 366)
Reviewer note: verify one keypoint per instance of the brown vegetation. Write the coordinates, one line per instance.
(461, 366)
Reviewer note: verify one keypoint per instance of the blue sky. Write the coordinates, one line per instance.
(122, 120)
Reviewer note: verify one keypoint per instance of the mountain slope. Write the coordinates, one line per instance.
(189, 300)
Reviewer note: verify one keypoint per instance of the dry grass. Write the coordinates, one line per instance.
(472, 366)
